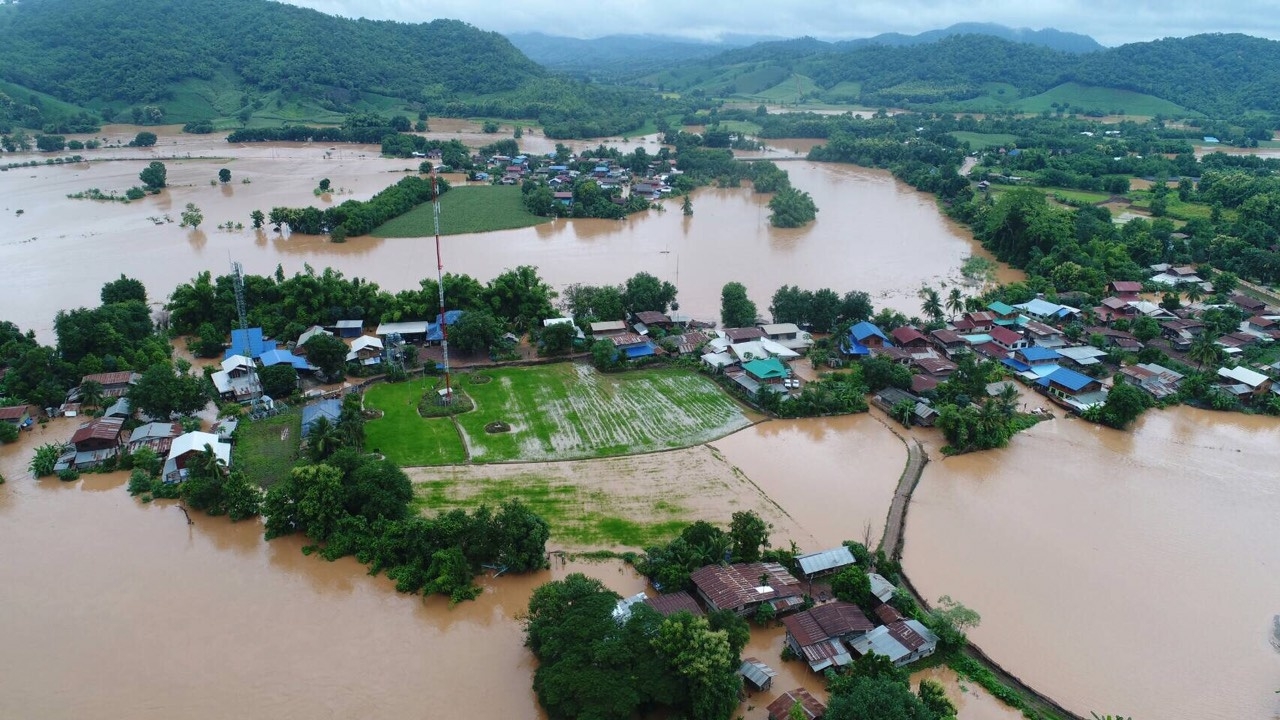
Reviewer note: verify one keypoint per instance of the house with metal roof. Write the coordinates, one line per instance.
(19, 415)
(1004, 313)
(825, 562)
(1045, 310)
(284, 357)
(909, 337)
(864, 338)
(820, 634)
(672, 603)
(631, 346)
(606, 328)
(1073, 390)
(408, 330)
(1082, 355)
(744, 587)
(349, 328)
(306, 335)
(881, 588)
(1243, 382)
(330, 409)
(758, 674)
(780, 708)
(237, 380)
(770, 371)
(1034, 362)
(1159, 381)
(114, 384)
(187, 446)
(788, 335)
(902, 641)
(366, 350)
(158, 436)
(248, 342)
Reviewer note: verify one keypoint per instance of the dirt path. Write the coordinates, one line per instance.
(891, 542)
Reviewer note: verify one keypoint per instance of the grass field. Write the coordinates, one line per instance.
(266, 450)
(556, 412)
(566, 411)
(1107, 100)
(473, 209)
(982, 141)
(404, 436)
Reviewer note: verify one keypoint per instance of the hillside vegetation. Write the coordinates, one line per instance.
(1216, 75)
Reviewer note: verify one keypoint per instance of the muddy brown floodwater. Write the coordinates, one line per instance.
(1129, 573)
(872, 233)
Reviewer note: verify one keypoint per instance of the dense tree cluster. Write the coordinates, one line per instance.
(357, 217)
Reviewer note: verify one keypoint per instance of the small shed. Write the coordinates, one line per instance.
(349, 328)
(825, 562)
(757, 674)
(780, 709)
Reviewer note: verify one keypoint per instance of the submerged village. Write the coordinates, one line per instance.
(703, 405)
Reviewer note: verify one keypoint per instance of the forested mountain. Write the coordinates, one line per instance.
(618, 56)
(1217, 75)
(1048, 37)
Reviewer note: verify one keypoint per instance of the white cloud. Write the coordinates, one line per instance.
(1108, 21)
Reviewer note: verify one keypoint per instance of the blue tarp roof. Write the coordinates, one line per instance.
(434, 333)
(853, 347)
(864, 330)
(283, 357)
(325, 408)
(1069, 379)
(250, 344)
(1035, 354)
(636, 351)
(450, 317)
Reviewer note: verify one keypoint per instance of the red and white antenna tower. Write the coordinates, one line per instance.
(444, 327)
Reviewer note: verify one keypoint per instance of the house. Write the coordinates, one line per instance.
(349, 328)
(780, 709)
(949, 342)
(653, 318)
(1008, 339)
(1112, 338)
(330, 410)
(1159, 381)
(564, 197)
(1045, 310)
(1003, 313)
(744, 587)
(922, 413)
(1151, 310)
(909, 338)
(366, 350)
(226, 429)
(820, 635)
(119, 409)
(1042, 335)
(1263, 325)
(19, 415)
(922, 384)
(249, 343)
(1182, 332)
(1124, 289)
(1073, 390)
(825, 562)
(114, 384)
(1033, 362)
(757, 674)
(743, 334)
(622, 610)
(672, 603)
(902, 641)
(691, 341)
(788, 335)
(717, 361)
(306, 335)
(564, 321)
(881, 588)
(158, 436)
(863, 338)
(632, 346)
(1243, 382)
(97, 441)
(936, 368)
(284, 357)
(186, 447)
(1113, 308)
(407, 331)
(1253, 306)
(1082, 355)
(767, 371)
(237, 380)
(608, 328)
(975, 322)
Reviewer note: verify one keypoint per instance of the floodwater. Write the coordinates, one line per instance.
(1125, 573)
(872, 233)
(116, 609)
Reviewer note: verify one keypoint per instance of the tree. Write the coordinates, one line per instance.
(327, 353)
(224, 176)
(91, 393)
(1225, 283)
(520, 297)
(475, 332)
(852, 585)
(162, 392)
(257, 218)
(881, 698)
(792, 208)
(44, 459)
(153, 177)
(949, 620)
(143, 139)
(643, 291)
(123, 290)
(557, 339)
(324, 185)
(904, 411)
(749, 533)
(191, 217)
(736, 309)
(930, 303)
(955, 302)
(1125, 402)
(279, 381)
(686, 207)
(490, 127)
(1205, 350)
(934, 696)
(50, 143)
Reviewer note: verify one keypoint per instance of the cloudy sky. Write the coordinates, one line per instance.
(1111, 22)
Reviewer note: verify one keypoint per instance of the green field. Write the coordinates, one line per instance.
(404, 436)
(1107, 100)
(556, 412)
(266, 450)
(472, 209)
(982, 141)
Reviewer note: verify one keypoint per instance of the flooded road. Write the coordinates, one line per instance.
(1130, 573)
(872, 233)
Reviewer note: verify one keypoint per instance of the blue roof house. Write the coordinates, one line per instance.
(248, 343)
(328, 409)
(284, 357)
(863, 338)
(1033, 362)
(1072, 389)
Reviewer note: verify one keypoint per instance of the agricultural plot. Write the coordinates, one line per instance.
(266, 450)
(404, 436)
(565, 411)
(470, 209)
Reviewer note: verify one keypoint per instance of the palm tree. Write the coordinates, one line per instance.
(206, 464)
(931, 303)
(91, 393)
(1008, 400)
(323, 439)
(1205, 349)
(955, 302)
(1194, 293)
